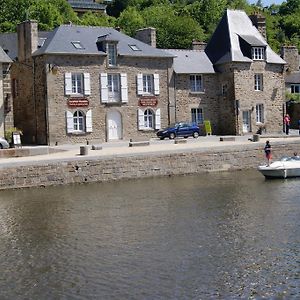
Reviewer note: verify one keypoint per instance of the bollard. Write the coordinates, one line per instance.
(83, 150)
(255, 138)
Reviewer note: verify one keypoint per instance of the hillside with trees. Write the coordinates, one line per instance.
(177, 22)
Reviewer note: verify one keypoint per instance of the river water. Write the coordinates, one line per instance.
(214, 236)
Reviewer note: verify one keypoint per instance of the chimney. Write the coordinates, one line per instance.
(147, 35)
(197, 45)
(259, 21)
(27, 39)
(291, 56)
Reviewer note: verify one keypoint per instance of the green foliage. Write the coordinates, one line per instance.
(92, 19)
(173, 31)
(130, 21)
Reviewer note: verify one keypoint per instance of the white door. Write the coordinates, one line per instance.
(246, 121)
(114, 125)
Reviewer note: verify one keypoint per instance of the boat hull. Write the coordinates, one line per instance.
(270, 172)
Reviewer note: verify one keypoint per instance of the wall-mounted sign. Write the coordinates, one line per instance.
(78, 102)
(148, 101)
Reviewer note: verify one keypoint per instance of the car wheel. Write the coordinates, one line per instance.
(195, 134)
(186, 137)
(161, 138)
(1, 146)
(172, 136)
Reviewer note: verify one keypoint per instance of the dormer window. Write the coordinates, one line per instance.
(258, 53)
(112, 54)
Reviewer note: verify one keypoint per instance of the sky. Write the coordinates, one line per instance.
(267, 2)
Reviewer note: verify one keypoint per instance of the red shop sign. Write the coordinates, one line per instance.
(148, 101)
(78, 102)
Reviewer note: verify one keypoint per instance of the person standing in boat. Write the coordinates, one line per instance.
(268, 152)
(287, 123)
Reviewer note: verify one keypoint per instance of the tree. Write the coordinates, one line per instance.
(130, 21)
(173, 31)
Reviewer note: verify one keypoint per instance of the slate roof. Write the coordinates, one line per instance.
(191, 62)
(60, 42)
(87, 5)
(8, 41)
(293, 77)
(233, 34)
(4, 58)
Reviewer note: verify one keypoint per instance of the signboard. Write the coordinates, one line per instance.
(78, 102)
(16, 139)
(207, 127)
(148, 101)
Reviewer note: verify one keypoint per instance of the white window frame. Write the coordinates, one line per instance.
(149, 118)
(295, 88)
(258, 53)
(112, 54)
(258, 82)
(196, 83)
(197, 115)
(260, 113)
(148, 84)
(78, 121)
(114, 87)
(77, 82)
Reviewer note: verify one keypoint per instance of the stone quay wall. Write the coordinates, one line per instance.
(102, 169)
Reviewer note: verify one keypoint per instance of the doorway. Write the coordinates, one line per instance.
(114, 125)
(246, 121)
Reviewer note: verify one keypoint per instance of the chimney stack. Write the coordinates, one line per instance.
(291, 56)
(147, 35)
(197, 45)
(259, 21)
(27, 39)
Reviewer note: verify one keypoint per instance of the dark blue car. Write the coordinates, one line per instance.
(179, 129)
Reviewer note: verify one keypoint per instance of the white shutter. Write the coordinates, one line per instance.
(87, 84)
(156, 84)
(124, 88)
(89, 121)
(141, 119)
(104, 89)
(157, 119)
(140, 84)
(68, 83)
(70, 122)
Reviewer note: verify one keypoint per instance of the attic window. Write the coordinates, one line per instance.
(77, 45)
(134, 47)
(258, 53)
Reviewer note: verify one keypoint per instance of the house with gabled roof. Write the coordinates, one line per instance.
(82, 84)
(252, 73)
(6, 109)
(83, 6)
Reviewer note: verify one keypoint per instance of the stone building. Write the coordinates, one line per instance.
(292, 83)
(6, 110)
(79, 84)
(83, 6)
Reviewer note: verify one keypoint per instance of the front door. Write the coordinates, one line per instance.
(246, 121)
(114, 125)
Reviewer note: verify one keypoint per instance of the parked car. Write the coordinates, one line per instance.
(184, 129)
(3, 143)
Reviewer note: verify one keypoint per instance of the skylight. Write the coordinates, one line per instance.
(134, 47)
(77, 45)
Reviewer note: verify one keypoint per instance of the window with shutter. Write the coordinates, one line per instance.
(87, 84)
(104, 87)
(141, 124)
(68, 83)
(124, 88)
(156, 84)
(69, 121)
(89, 121)
(157, 119)
(140, 84)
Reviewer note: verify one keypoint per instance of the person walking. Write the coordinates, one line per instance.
(268, 152)
(287, 123)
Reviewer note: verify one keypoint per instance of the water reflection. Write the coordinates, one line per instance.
(227, 235)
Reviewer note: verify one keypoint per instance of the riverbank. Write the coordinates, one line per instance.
(117, 161)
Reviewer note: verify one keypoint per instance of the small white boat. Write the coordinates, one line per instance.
(284, 168)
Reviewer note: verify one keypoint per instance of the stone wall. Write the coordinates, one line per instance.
(85, 170)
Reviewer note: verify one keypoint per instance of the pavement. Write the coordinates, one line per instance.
(121, 148)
